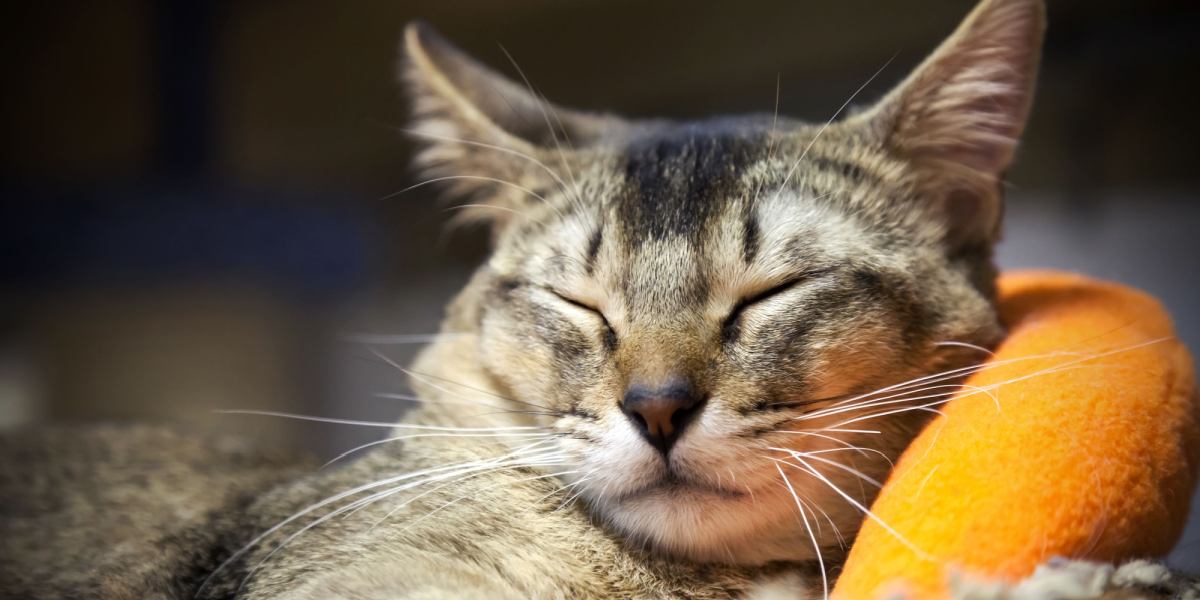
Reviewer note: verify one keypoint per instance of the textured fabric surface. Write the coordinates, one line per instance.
(1079, 439)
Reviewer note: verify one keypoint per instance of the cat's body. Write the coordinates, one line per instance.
(142, 512)
(693, 353)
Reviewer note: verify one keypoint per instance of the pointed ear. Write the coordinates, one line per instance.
(959, 115)
(492, 138)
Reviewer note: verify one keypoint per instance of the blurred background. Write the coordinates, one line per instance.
(196, 199)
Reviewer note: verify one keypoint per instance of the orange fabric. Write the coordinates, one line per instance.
(1083, 458)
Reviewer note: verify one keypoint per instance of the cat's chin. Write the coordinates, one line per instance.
(707, 524)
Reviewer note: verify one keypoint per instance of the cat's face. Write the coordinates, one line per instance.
(705, 312)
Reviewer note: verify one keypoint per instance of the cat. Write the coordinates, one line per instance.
(683, 371)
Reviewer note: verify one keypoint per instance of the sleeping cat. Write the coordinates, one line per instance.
(683, 371)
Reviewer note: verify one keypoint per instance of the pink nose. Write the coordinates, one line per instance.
(661, 415)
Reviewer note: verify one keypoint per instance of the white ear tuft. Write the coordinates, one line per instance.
(494, 140)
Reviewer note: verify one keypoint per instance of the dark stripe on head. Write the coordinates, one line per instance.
(593, 249)
(848, 170)
(750, 236)
(675, 182)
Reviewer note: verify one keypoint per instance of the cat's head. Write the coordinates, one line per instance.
(701, 306)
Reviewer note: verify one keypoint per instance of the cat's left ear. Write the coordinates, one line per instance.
(489, 137)
(959, 115)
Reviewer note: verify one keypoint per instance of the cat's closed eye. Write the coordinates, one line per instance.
(610, 334)
(731, 326)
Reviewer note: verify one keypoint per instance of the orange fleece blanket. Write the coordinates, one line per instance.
(1079, 439)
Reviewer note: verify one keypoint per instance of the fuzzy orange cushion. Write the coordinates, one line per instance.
(1088, 449)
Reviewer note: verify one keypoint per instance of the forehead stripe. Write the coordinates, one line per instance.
(593, 249)
(675, 182)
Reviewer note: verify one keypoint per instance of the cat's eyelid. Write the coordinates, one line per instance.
(572, 300)
(585, 306)
(783, 286)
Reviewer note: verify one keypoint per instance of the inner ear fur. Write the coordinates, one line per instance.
(491, 139)
(958, 117)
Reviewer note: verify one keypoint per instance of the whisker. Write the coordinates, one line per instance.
(837, 114)
(922, 408)
(434, 180)
(388, 424)
(554, 174)
(344, 510)
(847, 445)
(439, 401)
(539, 457)
(542, 107)
(807, 468)
(354, 506)
(316, 506)
(966, 345)
(427, 376)
(824, 437)
(579, 482)
(400, 438)
(450, 503)
(1067, 365)
(495, 207)
(835, 464)
(849, 430)
(874, 402)
(811, 536)
(969, 370)
(398, 339)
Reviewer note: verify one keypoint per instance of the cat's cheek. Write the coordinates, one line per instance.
(514, 356)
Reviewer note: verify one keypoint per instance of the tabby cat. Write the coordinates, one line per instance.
(682, 372)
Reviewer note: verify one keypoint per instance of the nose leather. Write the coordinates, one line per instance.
(661, 414)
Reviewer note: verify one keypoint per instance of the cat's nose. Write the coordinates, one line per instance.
(661, 414)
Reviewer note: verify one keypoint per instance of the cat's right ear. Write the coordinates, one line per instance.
(490, 138)
(957, 118)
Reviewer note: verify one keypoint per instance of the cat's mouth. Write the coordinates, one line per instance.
(673, 487)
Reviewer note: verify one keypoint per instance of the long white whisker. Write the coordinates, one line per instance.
(398, 338)
(439, 401)
(847, 446)
(450, 503)
(426, 377)
(1068, 365)
(344, 510)
(922, 407)
(495, 207)
(537, 459)
(388, 424)
(432, 435)
(434, 180)
(807, 468)
(966, 345)
(837, 114)
(835, 464)
(554, 174)
(970, 370)
(884, 401)
(545, 115)
(354, 506)
(315, 506)
(811, 536)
